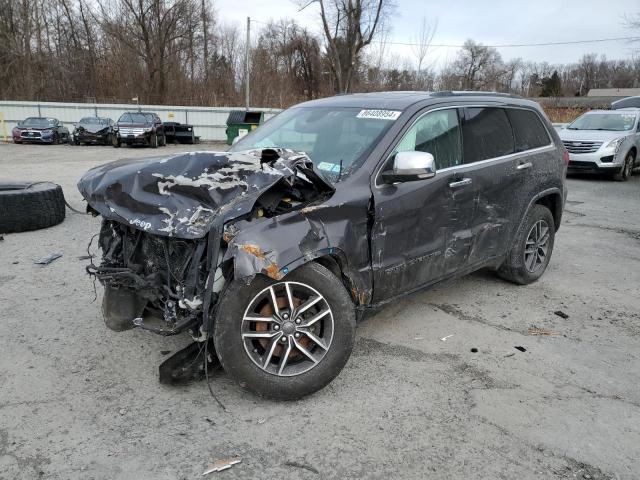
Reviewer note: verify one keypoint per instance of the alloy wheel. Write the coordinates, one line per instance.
(287, 329)
(536, 246)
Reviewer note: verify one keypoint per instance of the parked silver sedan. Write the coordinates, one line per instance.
(606, 141)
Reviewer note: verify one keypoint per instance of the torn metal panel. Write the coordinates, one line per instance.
(185, 195)
(275, 246)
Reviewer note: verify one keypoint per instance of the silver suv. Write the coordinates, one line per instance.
(604, 141)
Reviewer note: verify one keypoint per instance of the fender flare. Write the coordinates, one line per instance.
(557, 215)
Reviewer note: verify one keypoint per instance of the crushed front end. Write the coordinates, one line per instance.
(148, 278)
(167, 235)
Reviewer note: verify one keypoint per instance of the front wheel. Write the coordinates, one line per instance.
(533, 245)
(627, 169)
(285, 339)
(153, 141)
(116, 141)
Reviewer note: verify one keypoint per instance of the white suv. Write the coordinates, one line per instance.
(604, 141)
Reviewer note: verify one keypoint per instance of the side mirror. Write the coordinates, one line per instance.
(409, 167)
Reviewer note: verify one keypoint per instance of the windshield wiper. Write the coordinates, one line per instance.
(339, 171)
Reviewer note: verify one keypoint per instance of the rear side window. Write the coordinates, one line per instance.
(486, 134)
(528, 130)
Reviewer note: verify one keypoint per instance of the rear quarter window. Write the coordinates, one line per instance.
(528, 130)
(486, 134)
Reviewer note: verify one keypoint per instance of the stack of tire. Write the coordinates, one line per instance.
(30, 206)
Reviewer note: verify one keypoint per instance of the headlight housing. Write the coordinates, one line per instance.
(615, 143)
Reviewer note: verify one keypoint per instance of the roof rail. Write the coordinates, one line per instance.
(456, 93)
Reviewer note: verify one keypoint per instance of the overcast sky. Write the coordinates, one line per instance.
(494, 22)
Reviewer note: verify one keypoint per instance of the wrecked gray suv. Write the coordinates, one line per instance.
(269, 253)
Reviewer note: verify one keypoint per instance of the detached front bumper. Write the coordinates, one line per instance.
(604, 160)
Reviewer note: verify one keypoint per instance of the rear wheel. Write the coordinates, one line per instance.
(532, 248)
(627, 169)
(286, 339)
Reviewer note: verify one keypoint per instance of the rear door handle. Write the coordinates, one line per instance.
(524, 166)
(460, 183)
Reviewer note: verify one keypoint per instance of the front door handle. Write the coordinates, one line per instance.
(460, 183)
(524, 166)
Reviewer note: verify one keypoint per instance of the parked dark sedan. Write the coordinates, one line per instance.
(140, 128)
(40, 130)
(94, 130)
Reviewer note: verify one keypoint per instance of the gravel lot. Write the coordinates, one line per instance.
(78, 401)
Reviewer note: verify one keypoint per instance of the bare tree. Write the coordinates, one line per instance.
(588, 71)
(422, 44)
(155, 30)
(349, 26)
(477, 66)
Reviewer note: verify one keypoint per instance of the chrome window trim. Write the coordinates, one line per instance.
(550, 146)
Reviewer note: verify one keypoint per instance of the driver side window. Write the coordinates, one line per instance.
(437, 133)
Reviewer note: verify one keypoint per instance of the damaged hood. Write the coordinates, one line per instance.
(186, 195)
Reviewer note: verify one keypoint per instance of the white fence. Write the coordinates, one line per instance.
(209, 122)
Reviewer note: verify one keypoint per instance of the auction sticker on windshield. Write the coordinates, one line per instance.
(379, 114)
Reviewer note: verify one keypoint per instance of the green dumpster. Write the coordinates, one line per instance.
(241, 122)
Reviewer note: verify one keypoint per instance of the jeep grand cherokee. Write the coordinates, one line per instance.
(273, 250)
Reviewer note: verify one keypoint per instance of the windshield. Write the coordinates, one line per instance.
(615, 122)
(94, 121)
(133, 117)
(336, 139)
(36, 122)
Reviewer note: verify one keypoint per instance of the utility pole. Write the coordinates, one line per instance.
(246, 64)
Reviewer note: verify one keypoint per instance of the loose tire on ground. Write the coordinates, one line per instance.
(235, 359)
(514, 268)
(25, 206)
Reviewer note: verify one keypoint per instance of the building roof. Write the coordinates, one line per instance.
(613, 92)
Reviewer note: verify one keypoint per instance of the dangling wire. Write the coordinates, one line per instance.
(206, 373)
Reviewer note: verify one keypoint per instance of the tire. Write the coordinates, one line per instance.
(337, 328)
(627, 169)
(25, 206)
(116, 141)
(153, 142)
(56, 139)
(516, 267)
(164, 141)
